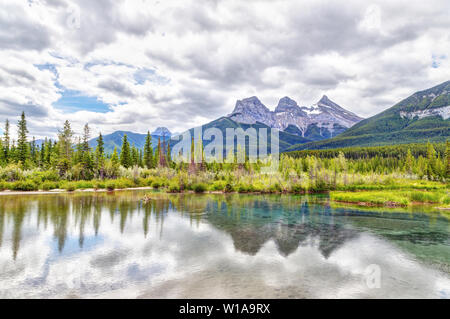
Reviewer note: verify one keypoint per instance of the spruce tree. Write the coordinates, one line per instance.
(168, 156)
(100, 156)
(34, 151)
(115, 158)
(6, 141)
(159, 151)
(64, 148)
(125, 154)
(431, 160)
(148, 152)
(447, 159)
(409, 161)
(22, 144)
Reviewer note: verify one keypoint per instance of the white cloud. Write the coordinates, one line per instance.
(181, 64)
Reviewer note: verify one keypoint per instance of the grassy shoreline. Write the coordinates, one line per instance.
(391, 194)
(401, 198)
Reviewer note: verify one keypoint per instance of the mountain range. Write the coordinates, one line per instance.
(422, 117)
(114, 140)
(322, 120)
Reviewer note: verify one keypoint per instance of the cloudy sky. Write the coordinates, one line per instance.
(136, 65)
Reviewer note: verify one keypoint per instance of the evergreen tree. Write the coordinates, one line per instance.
(431, 161)
(409, 161)
(148, 152)
(100, 156)
(160, 153)
(125, 154)
(86, 137)
(22, 144)
(141, 159)
(42, 154)
(2, 154)
(34, 151)
(64, 147)
(447, 159)
(115, 158)
(168, 156)
(6, 141)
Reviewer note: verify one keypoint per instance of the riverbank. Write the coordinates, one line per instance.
(64, 191)
(383, 192)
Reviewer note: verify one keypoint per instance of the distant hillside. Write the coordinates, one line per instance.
(138, 140)
(286, 140)
(422, 117)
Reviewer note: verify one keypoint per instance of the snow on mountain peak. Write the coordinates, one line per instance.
(325, 113)
(162, 131)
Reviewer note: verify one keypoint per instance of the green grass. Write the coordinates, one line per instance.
(392, 198)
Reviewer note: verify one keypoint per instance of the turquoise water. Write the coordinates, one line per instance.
(102, 245)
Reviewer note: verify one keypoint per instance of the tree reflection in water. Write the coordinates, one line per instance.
(117, 239)
(251, 220)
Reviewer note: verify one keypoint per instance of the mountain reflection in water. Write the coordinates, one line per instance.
(215, 246)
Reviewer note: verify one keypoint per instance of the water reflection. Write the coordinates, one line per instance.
(102, 244)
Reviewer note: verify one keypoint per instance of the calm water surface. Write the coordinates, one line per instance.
(102, 245)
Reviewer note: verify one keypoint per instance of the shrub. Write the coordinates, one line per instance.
(297, 188)
(156, 184)
(174, 187)
(44, 176)
(245, 188)
(275, 188)
(228, 188)
(218, 185)
(11, 173)
(48, 185)
(199, 187)
(110, 185)
(70, 186)
(99, 184)
(24, 186)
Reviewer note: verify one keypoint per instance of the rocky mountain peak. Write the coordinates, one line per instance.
(286, 104)
(325, 115)
(325, 100)
(162, 131)
(251, 110)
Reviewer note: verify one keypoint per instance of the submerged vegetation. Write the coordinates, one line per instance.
(70, 164)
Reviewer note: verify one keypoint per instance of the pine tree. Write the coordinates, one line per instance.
(22, 144)
(64, 148)
(2, 154)
(86, 137)
(447, 159)
(148, 152)
(141, 159)
(42, 154)
(6, 141)
(169, 156)
(34, 151)
(115, 158)
(125, 154)
(409, 161)
(134, 156)
(100, 156)
(158, 157)
(431, 161)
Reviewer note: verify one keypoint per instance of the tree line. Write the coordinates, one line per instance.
(73, 157)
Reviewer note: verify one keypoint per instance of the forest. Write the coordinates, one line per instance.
(69, 163)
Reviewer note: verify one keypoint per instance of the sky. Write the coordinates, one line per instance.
(136, 65)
